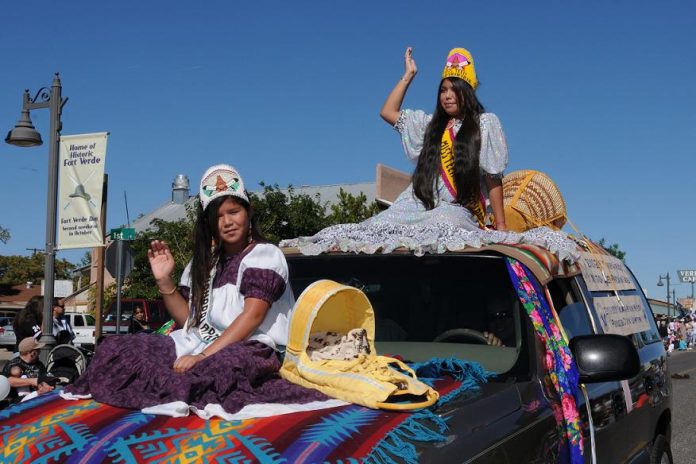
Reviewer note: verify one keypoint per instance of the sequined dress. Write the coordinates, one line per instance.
(407, 209)
(448, 226)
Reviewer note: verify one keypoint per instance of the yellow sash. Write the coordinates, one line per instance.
(478, 208)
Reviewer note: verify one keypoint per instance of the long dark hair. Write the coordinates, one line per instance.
(467, 145)
(208, 249)
(34, 307)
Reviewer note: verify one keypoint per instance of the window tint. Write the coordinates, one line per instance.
(158, 312)
(127, 308)
(575, 320)
(570, 307)
(652, 335)
(430, 306)
(79, 322)
(90, 319)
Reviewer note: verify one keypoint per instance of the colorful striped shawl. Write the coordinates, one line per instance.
(50, 429)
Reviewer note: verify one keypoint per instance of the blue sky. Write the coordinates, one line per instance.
(599, 95)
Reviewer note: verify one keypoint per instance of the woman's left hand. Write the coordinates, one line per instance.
(186, 363)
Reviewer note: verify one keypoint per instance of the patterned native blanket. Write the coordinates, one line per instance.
(49, 429)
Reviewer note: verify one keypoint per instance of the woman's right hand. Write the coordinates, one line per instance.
(410, 68)
(161, 260)
(391, 110)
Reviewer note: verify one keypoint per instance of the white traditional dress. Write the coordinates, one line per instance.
(407, 209)
(260, 272)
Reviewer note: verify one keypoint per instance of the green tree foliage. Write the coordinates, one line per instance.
(612, 249)
(351, 208)
(15, 269)
(285, 215)
(4, 235)
(179, 237)
(109, 297)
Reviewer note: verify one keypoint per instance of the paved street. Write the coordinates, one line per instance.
(683, 407)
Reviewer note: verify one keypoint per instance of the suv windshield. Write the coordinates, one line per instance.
(445, 305)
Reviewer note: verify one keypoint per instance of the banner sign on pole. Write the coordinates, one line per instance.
(81, 176)
(687, 277)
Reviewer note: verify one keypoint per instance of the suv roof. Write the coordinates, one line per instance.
(542, 262)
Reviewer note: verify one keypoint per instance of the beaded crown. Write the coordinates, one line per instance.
(460, 64)
(221, 180)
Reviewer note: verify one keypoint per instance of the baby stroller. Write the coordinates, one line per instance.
(67, 362)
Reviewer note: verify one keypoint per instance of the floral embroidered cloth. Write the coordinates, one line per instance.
(561, 368)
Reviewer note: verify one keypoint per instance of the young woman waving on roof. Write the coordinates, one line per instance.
(459, 151)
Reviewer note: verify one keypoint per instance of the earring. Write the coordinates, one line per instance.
(249, 237)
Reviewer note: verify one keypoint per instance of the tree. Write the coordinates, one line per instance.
(179, 237)
(612, 249)
(4, 235)
(352, 208)
(290, 215)
(17, 269)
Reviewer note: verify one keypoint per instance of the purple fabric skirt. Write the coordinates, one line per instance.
(135, 371)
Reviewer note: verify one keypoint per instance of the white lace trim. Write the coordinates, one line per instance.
(431, 238)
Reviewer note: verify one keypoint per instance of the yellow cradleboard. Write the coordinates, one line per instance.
(368, 380)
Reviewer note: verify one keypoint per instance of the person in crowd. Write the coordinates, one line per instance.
(662, 327)
(62, 329)
(138, 322)
(45, 384)
(30, 368)
(17, 372)
(27, 323)
(232, 306)
(460, 151)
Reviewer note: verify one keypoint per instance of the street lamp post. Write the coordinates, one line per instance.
(660, 284)
(24, 135)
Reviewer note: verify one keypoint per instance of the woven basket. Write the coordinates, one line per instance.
(532, 199)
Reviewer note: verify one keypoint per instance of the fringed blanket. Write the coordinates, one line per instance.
(50, 429)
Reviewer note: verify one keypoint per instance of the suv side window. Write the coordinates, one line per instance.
(156, 310)
(571, 310)
(78, 321)
(652, 335)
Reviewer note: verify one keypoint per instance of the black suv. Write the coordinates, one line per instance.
(463, 304)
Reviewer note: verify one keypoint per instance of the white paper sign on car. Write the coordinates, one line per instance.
(621, 319)
(604, 273)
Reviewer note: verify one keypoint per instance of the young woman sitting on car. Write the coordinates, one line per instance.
(232, 306)
(459, 151)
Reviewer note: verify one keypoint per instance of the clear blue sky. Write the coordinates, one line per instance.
(599, 96)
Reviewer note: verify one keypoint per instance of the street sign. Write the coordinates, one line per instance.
(687, 277)
(123, 233)
(112, 258)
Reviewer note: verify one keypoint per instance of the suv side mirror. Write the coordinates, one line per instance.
(605, 358)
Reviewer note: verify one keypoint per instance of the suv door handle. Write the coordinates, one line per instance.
(618, 403)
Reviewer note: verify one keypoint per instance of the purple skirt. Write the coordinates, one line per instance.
(135, 371)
